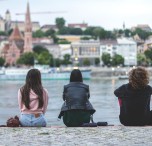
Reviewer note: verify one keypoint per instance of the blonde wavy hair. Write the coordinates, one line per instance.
(139, 78)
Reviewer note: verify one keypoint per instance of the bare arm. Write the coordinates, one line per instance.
(46, 100)
(19, 99)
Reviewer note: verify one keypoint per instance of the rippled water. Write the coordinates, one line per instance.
(101, 91)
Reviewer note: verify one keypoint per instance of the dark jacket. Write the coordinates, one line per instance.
(76, 96)
(135, 105)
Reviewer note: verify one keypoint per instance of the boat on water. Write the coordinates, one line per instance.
(123, 77)
(46, 74)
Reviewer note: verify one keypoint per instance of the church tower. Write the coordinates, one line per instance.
(28, 31)
(7, 21)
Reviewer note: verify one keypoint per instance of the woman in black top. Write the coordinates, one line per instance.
(134, 99)
(77, 108)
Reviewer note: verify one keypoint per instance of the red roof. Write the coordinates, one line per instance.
(5, 49)
(77, 25)
(16, 34)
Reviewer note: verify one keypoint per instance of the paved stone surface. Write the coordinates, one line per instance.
(50, 136)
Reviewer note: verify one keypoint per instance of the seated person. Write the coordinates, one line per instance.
(76, 109)
(134, 99)
(33, 101)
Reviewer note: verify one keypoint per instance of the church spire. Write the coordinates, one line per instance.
(28, 24)
(28, 31)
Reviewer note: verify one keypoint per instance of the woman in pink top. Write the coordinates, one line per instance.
(33, 101)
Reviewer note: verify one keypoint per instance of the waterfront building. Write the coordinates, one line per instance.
(127, 48)
(72, 38)
(58, 51)
(85, 49)
(64, 49)
(54, 49)
(18, 44)
(82, 26)
(108, 46)
(44, 28)
(7, 24)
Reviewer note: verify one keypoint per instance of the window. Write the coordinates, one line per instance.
(13, 55)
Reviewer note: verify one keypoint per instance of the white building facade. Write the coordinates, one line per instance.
(108, 46)
(127, 48)
(83, 49)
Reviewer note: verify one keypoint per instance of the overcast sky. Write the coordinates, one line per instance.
(106, 13)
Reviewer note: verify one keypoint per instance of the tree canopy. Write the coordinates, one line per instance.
(97, 61)
(39, 49)
(117, 60)
(86, 62)
(141, 59)
(66, 59)
(2, 61)
(27, 59)
(106, 58)
(60, 22)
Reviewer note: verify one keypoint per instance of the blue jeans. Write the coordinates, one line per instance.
(30, 120)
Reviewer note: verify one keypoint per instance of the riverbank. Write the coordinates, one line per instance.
(112, 71)
(115, 135)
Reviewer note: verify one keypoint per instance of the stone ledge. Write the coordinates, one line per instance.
(108, 135)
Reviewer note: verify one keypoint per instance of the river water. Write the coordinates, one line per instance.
(101, 91)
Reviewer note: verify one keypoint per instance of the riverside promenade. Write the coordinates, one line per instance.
(62, 136)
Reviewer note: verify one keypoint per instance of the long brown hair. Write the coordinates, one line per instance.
(33, 81)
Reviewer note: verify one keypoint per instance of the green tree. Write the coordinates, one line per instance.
(39, 49)
(66, 59)
(27, 59)
(127, 32)
(106, 58)
(141, 59)
(110, 35)
(148, 54)
(49, 32)
(97, 61)
(86, 62)
(141, 33)
(85, 38)
(3, 33)
(2, 61)
(10, 31)
(55, 39)
(96, 32)
(117, 60)
(102, 34)
(64, 30)
(120, 31)
(44, 58)
(63, 41)
(7, 65)
(76, 31)
(89, 31)
(60, 22)
(57, 62)
(38, 34)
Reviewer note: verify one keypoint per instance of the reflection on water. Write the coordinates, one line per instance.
(101, 91)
